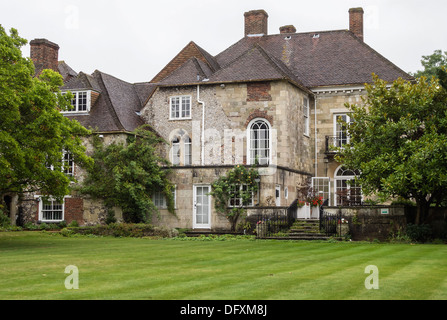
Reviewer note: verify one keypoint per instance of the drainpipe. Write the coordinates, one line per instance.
(316, 144)
(203, 124)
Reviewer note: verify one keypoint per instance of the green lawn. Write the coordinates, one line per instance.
(32, 266)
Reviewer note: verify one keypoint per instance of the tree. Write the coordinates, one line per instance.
(234, 192)
(432, 64)
(398, 141)
(126, 175)
(33, 133)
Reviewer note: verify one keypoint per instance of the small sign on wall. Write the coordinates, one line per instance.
(384, 211)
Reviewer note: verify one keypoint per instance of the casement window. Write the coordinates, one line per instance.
(236, 200)
(259, 144)
(67, 164)
(180, 107)
(341, 123)
(51, 210)
(80, 102)
(188, 151)
(347, 189)
(159, 199)
(178, 153)
(175, 152)
(306, 116)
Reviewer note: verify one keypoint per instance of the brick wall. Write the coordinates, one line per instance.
(259, 91)
(74, 210)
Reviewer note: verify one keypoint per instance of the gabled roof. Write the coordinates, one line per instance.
(309, 60)
(117, 106)
(191, 50)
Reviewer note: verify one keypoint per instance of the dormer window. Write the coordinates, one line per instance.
(81, 102)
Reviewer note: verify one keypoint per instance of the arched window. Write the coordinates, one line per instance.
(259, 142)
(347, 189)
(176, 151)
(188, 151)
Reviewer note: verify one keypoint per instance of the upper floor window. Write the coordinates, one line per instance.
(180, 107)
(67, 164)
(80, 102)
(306, 116)
(341, 123)
(259, 142)
(181, 150)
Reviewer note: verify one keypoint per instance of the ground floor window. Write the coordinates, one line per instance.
(348, 191)
(51, 210)
(236, 199)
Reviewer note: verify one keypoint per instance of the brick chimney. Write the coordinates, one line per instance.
(287, 29)
(256, 23)
(356, 22)
(44, 54)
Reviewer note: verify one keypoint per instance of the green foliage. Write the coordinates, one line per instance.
(432, 64)
(398, 141)
(33, 132)
(419, 233)
(127, 174)
(122, 230)
(239, 183)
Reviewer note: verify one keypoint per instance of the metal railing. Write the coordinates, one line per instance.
(271, 224)
(331, 223)
(333, 142)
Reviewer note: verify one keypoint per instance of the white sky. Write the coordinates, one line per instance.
(134, 39)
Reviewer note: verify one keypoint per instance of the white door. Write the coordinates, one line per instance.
(202, 207)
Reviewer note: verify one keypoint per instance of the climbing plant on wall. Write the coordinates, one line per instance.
(234, 192)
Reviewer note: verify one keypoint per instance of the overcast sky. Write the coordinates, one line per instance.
(134, 39)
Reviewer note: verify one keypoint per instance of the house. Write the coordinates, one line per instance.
(275, 99)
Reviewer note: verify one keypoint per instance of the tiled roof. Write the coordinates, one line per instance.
(330, 58)
(117, 105)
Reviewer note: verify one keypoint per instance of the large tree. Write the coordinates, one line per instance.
(398, 141)
(432, 64)
(33, 133)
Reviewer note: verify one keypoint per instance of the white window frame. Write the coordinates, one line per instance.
(187, 142)
(63, 162)
(76, 102)
(339, 178)
(306, 116)
(176, 152)
(337, 130)
(182, 114)
(159, 199)
(250, 148)
(235, 202)
(41, 210)
(278, 195)
(322, 182)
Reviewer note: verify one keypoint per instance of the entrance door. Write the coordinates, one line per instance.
(202, 207)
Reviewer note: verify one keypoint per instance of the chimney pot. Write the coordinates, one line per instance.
(356, 22)
(45, 55)
(287, 29)
(256, 23)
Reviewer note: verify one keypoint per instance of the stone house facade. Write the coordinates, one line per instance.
(275, 99)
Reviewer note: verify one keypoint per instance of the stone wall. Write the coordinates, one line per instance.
(372, 222)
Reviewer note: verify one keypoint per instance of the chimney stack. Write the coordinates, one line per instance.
(256, 23)
(356, 22)
(45, 55)
(287, 29)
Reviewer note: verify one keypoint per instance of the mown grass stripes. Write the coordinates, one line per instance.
(32, 266)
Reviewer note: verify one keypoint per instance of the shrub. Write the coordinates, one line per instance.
(419, 233)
